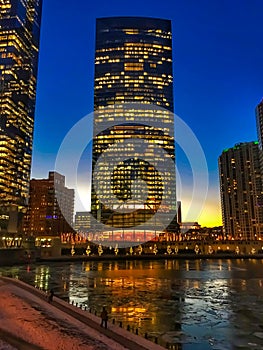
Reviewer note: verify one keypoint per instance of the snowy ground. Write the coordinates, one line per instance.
(5, 346)
(37, 322)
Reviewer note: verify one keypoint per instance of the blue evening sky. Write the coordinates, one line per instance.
(218, 77)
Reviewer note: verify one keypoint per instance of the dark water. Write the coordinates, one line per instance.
(189, 305)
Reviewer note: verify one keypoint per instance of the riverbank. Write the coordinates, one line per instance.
(184, 250)
(28, 322)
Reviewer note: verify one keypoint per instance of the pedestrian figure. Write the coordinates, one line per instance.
(50, 295)
(104, 317)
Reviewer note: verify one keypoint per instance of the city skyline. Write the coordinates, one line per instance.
(215, 73)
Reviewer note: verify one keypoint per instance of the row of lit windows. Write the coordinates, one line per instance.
(131, 51)
(111, 60)
(165, 121)
(152, 61)
(120, 113)
(132, 66)
(144, 58)
(107, 139)
(108, 76)
(141, 118)
(16, 43)
(17, 114)
(129, 95)
(4, 6)
(142, 99)
(160, 85)
(147, 47)
(139, 31)
(12, 55)
(154, 79)
(131, 31)
(151, 112)
(108, 119)
(132, 147)
(149, 52)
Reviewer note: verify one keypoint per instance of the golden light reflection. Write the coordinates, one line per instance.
(243, 285)
(87, 268)
(129, 310)
(197, 265)
(196, 284)
(169, 264)
(177, 265)
(229, 265)
(136, 315)
(108, 282)
(42, 277)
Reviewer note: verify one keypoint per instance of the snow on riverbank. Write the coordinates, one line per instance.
(38, 322)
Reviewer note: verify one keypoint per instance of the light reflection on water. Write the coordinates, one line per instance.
(195, 304)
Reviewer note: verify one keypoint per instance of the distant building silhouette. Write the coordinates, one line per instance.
(186, 226)
(179, 212)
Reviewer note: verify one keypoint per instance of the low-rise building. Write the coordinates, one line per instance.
(51, 207)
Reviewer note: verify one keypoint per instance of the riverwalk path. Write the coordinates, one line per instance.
(29, 322)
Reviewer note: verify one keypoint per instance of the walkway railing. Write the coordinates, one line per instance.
(125, 337)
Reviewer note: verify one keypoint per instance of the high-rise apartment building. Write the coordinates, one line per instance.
(241, 191)
(259, 123)
(133, 128)
(51, 207)
(19, 45)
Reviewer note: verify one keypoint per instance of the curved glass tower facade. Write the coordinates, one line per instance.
(133, 184)
(133, 62)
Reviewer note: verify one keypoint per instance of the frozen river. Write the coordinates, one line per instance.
(189, 305)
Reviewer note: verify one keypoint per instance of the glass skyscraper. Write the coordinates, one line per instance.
(133, 184)
(19, 45)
